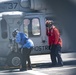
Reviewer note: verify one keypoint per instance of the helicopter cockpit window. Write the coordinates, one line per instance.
(35, 26)
(4, 29)
(32, 27)
(26, 23)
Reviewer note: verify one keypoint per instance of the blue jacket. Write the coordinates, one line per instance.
(23, 40)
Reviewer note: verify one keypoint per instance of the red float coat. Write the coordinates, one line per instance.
(53, 36)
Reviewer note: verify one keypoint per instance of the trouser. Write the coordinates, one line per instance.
(56, 55)
(26, 57)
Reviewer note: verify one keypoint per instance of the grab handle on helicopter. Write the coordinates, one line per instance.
(43, 39)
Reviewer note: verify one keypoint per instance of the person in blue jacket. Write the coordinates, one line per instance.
(26, 46)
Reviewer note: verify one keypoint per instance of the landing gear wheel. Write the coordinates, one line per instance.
(14, 59)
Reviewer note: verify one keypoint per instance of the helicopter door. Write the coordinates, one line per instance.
(34, 27)
(4, 40)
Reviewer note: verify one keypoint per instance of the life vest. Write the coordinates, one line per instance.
(53, 36)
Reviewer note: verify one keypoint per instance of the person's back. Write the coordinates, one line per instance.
(23, 40)
(57, 38)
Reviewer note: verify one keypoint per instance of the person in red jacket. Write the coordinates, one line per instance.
(55, 43)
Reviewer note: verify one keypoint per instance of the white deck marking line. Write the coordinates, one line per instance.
(25, 72)
(36, 72)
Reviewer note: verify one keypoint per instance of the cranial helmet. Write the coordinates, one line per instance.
(49, 23)
(14, 33)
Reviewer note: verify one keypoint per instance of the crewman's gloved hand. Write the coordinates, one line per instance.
(50, 47)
